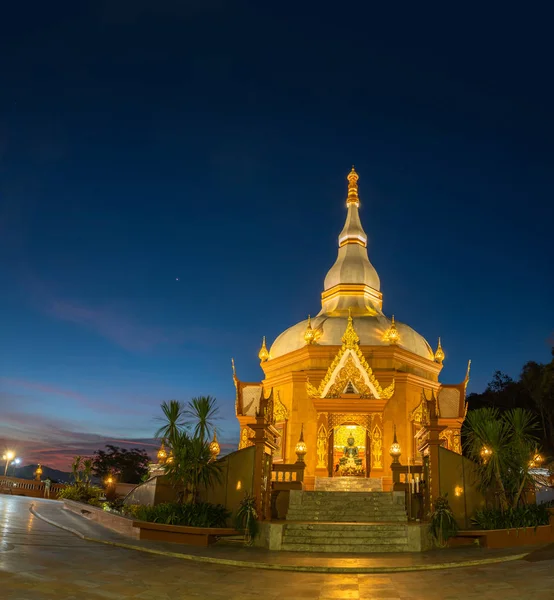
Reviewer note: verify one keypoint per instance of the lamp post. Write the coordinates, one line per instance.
(8, 457)
(38, 472)
(395, 449)
(301, 447)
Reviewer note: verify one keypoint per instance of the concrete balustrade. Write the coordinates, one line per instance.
(27, 487)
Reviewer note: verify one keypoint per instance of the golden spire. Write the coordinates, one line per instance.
(439, 354)
(215, 448)
(391, 335)
(352, 188)
(309, 334)
(162, 454)
(263, 354)
(350, 338)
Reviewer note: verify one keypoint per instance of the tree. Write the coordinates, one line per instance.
(191, 466)
(538, 381)
(173, 420)
(128, 466)
(203, 411)
(503, 445)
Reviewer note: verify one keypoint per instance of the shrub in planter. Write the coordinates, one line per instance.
(443, 523)
(200, 514)
(246, 519)
(529, 515)
(81, 493)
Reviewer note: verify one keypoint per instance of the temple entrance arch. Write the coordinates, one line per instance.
(348, 445)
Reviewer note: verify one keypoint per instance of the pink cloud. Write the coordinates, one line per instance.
(115, 327)
(47, 388)
(54, 442)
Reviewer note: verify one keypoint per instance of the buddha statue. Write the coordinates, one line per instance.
(350, 463)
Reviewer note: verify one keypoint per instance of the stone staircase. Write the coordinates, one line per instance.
(346, 522)
(348, 484)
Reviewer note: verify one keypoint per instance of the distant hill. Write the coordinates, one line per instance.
(28, 472)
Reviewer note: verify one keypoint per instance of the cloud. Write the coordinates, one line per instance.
(54, 442)
(113, 326)
(55, 390)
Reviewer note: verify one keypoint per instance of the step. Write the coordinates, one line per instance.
(337, 483)
(332, 517)
(335, 537)
(345, 548)
(350, 541)
(347, 527)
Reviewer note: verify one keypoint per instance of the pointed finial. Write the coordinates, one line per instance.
(233, 365)
(214, 446)
(439, 354)
(352, 188)
(263, 354)
(350, 338)
(391, 335)
(309, 334)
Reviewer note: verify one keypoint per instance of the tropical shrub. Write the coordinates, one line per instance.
(443, 523)
(246, 519)
(503, 446)
(191, 466)
(201, 514)
(80, 493)
(530, 515)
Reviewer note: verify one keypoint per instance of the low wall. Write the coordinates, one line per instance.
(511, 538)
(122, 489)
(103, 517)
(178, 534)
(27, 487)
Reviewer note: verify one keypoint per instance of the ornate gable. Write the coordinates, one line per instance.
(349, 372)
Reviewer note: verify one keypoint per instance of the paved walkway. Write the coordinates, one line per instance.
(241, 556)
(40, 561)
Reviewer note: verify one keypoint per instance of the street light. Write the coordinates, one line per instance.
(8, 457)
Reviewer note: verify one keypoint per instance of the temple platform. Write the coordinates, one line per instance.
(348, 484)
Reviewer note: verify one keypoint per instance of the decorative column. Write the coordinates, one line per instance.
(264, 440)
(429, 448)
(330, 455)
(322, 446)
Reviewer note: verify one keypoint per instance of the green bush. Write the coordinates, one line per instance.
(443, 523)
(82, 493)
(201, 514)
(530, 515)
(246, 519)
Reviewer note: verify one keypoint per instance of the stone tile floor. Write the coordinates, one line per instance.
(224, 551)
(39, 561)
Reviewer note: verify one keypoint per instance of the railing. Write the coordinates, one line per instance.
(287, 476)
(409, 479)
(27, 487)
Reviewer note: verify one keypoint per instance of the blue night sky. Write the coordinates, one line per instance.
(141, 142)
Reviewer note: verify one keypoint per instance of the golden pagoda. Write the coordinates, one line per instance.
(351, 382)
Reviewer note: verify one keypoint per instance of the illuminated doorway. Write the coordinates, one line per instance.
(350, 451)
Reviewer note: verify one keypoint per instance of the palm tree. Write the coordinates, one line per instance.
(502, 445)
(203, 410)
(486, 438)
(173, 420)
(523, 447)
(192, 466)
